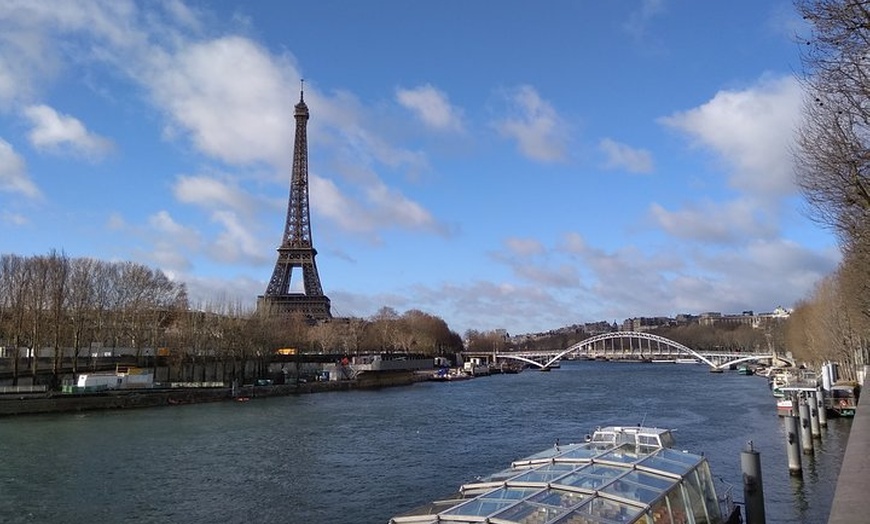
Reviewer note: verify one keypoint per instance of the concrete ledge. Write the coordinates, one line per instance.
(852, 497)
(31, 404)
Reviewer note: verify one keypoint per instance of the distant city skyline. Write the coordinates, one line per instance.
(524, 168)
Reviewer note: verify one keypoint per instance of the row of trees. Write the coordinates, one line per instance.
(833, 171)
(77, 307)
(56, 302)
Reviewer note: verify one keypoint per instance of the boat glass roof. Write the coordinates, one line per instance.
(623, 481)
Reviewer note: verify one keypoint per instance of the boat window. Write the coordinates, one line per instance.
(667, 440)
(544, 473)
(611, 511)
(582, 452)
(705, 480)
(604, 437)
(695, 498)
(632, 491)
(660, 513)
(480, 507)
(648, 440)
(591, 477)
(511, 493)
(680, 456)
(650, 480)
(679, 512)
(530, 513)
(625, 454)
(559, 497)
(657, 462)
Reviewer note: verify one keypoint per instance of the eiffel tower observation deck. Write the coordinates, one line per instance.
(296, 252)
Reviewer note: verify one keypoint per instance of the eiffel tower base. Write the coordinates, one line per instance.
(313, 308)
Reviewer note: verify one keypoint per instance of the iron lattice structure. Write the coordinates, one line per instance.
(297, 249)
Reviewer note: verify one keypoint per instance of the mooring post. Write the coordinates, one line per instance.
(806, 431)
(823, 410)
(793, 442)
(815, 428)
(753, 489)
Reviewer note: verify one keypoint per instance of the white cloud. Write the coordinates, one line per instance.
(13, 174)
(328, 200)
(751, 131)
(524, 246)
(639, 19)
(56, 132)
(231, 96)
(560, 277)
(573, 243)
(235, 242)
(167, 228)
(380, 208)
(540, 132)
(622, 156)
(210, 193)
(729, 222)
(432, 107)
(394, 209)
(30, 55)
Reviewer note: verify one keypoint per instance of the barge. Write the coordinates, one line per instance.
(619, 474)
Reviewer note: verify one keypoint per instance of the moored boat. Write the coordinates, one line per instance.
(449, 375)
(619, 474)
(785, 407)
(842, 400)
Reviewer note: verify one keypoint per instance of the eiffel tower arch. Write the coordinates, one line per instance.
(296, 252)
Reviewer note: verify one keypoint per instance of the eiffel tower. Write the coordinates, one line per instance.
(297, 250)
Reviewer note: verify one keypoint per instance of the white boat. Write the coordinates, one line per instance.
(785, 407)
(777, 382)
(619, 474)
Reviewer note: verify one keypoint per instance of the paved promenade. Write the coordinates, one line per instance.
(852, 498)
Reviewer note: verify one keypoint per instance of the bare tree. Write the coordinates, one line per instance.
(81, 303)
(57, 266)
(14, 283)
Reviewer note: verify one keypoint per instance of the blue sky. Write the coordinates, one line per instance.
(518, 165)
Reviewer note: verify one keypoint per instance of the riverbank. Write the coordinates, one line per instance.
(55, 402)
(851, 503)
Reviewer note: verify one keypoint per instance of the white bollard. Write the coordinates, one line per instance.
(806, 431)
(793, 441)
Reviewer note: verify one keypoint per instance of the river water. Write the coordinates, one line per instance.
(364, 456)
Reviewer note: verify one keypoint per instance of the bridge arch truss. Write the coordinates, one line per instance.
(626, 344)
(631, 345)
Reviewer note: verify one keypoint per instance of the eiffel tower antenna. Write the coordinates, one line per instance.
(296, 251)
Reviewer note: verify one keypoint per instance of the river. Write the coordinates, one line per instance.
(363, 456)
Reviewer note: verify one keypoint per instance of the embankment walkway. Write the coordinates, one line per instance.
(852, 497)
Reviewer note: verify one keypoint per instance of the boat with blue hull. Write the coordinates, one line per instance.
(618, 474)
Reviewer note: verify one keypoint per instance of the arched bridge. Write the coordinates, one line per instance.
(631, 346)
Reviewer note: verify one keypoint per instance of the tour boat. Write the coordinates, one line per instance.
(619, 474)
